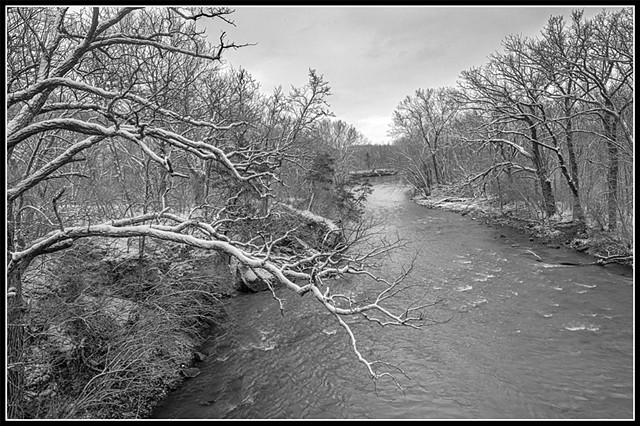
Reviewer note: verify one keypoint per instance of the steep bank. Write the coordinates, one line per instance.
(115, 325)
(108, 329)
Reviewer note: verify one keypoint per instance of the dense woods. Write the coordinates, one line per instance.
(129, 137)
(545, 126)
(127, 134)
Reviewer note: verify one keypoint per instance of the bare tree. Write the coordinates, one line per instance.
(554, 55)
(106, 114)
(320, 175)
(338, 138)
(605, 72)
(510, 91)
(422, 121)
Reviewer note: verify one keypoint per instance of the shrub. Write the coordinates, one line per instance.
(107, 335)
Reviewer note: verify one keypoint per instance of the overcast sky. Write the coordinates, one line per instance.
(373, 57)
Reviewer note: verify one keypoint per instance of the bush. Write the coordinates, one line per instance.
(108, 334)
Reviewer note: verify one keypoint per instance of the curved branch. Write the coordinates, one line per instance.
(34, 178)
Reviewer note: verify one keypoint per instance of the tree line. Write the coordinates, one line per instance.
(546, 124)
(125, 123)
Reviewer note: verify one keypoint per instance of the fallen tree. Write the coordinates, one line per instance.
(120, 125)
(372, 173)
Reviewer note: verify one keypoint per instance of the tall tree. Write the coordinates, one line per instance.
(106, 114)
(510, 89)
(554, 55)
(424, 117)
(339, 139)
(605, 70)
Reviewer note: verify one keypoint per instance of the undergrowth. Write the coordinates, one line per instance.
(107, 332)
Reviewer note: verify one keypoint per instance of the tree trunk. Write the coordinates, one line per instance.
(548, 199)
(15, 329)
(15, 356)
(574, 183)
(425, 174)
(199, 181)
(15, 338)
(436, 172)
(198, 185)
(162, 186)
(547, 196)
(313, 196)
(265, 206)
(610, 129)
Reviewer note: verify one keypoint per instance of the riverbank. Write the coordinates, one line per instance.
(114, 326)
(144, 317)
(109, 328)
(553, 233)
(525, 339)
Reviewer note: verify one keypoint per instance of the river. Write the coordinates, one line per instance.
(524, 339)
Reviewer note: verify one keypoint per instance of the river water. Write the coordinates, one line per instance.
(523, 339)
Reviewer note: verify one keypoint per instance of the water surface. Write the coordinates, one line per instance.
(524, 340)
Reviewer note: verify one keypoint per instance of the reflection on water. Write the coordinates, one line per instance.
(526, 339)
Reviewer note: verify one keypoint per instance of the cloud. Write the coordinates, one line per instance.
(373, 57)
(374, 128)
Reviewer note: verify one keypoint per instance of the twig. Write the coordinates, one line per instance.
(538, 258)
(54, 201)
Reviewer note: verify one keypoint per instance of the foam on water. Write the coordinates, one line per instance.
(586, 285)
(576, 326)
